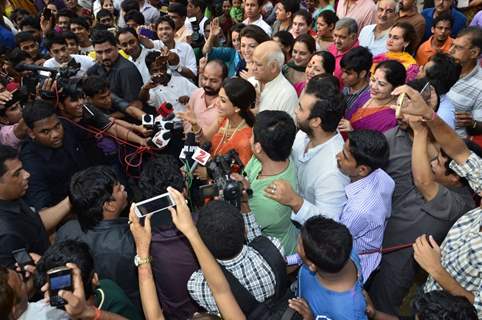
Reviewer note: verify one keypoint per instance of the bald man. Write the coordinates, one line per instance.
(277, 93)
(374, 36)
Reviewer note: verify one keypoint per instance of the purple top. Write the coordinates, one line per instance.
(477, 20)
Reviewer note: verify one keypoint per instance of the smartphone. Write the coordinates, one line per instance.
(47, 13)
(59, 278)
(154, 205)
(426, 92)
(400, 100)
(148, 33)
(22, 257)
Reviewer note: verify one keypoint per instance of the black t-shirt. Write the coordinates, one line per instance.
(124, 78)
(20, 227)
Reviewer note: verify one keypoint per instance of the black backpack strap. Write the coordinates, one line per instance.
(276, 261)
(245, 299)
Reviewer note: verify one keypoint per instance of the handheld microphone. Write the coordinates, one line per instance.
(165, 109)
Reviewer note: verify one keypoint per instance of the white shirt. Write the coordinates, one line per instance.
(140, 63)
(320, 183)
(85, 64)
(446, 111)
(278, 94)
(42, 311)
(184, 51)
(260, 23)
(177, 87)
(375, 45)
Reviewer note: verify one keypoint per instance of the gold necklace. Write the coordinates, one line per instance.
(225, 129)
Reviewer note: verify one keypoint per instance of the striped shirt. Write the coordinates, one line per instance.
(249, 267)
(462, 256)
(470, 170)
(466, 95)
(368, 206)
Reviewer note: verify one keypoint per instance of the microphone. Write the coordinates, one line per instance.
(188, 149)
(165, 109)
(34, 67)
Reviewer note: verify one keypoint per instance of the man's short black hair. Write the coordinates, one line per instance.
(443, 17)
(36, 111)
(102, 36)
(30, 21)
(369, 148)
(178, 8)
(136, 16)
(444, 73)
(103, 13)
(70, 35)
(128, 5)
(357, 59)
(329, 106)
(64, 12)
(158, 174)
(168, 20)
(326, 243)
(221, 227)
(200, 4)
(93, 85)
(6, 153)
(89, 190)
(81, 21)
(68, 251)
(54, 37)
(126, 30)
(24, 36)
(151, 58)
(441, 305)
(72, 91)
(275, 131)
(16, 56)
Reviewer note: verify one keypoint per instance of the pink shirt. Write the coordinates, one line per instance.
(8, 137)
(363, 11)
(205, 115)
(338, 56)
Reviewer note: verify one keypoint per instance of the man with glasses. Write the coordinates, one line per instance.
(466, 94)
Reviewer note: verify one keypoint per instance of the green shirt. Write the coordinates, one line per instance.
(271, 216)
(110, 297)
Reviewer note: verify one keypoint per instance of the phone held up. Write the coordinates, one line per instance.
(59, 278)
(154, 205)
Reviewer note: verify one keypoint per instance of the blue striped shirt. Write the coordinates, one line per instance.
(368, 206)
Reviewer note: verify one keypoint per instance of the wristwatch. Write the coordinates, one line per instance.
(138, 261)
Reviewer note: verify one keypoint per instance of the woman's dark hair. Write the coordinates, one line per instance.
(329, 17)
(242, 94)
(235, 28)
(409, 35)
(254, 32)
(328, 61)
(306, 15)
(290, 5)
(286, 38)
(395, 72)
(308, 40)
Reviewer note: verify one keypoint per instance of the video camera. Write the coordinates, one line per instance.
(197, 39)
(65, 76)
(220, 169)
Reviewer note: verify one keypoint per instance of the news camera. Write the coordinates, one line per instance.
(219, 170)
(197, 39)
(64, 75)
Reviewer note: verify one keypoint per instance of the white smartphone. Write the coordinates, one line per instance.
(154, 205)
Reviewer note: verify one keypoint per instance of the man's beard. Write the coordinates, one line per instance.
(210, 91)
(305, 127)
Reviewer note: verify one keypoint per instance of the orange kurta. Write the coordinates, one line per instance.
(239, 141)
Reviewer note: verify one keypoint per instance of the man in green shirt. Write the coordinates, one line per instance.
(273, 136)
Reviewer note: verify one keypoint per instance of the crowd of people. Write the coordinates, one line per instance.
(323, 159)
